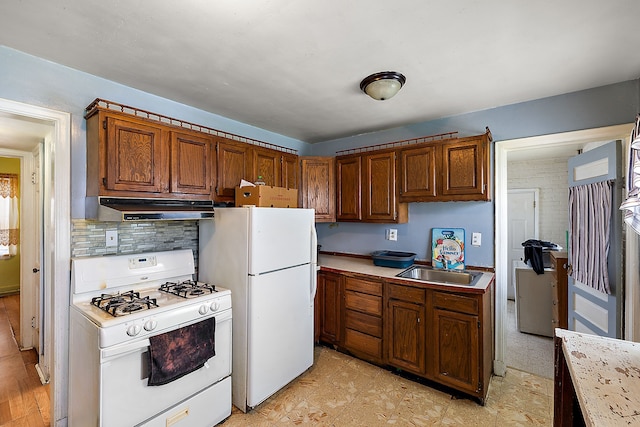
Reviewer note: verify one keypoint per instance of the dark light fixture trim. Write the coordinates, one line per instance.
(383, 85)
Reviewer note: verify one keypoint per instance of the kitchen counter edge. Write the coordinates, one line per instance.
(344, 264)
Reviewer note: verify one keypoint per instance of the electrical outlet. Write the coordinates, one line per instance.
(476, 239)
(112, 238)
(392, 234)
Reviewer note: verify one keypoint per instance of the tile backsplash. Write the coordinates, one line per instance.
(88, 238)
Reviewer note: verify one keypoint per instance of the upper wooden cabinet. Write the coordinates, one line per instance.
(366, 188)
(348, 176)
(132, 157)
(451, 170)
(465, 169)
(191, 163)
(236, 161)
(379, 198)
(290, 168)
(418, 173)
(233, 164)
(268, 165)
(317, 187)
(276, 168)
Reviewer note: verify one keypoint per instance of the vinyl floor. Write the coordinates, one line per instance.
(339, 390)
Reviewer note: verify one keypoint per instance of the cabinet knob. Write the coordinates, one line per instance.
(35, 270)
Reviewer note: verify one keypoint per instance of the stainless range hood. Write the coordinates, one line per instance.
(126, 209)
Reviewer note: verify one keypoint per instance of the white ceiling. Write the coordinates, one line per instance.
(294, 67)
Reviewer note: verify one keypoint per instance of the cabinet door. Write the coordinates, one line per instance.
(379, 187)
(465, 169)
(329, 289)
(317, 187)
(190, 164)
(267, 163)
(349, 175)
(456, 349)
(290, 171)
(137, 157)
(406, 336)
(418, 174)
(233, 165)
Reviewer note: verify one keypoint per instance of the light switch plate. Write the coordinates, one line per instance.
(112, 238)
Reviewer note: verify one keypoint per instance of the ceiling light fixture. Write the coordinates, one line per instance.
(383, 85)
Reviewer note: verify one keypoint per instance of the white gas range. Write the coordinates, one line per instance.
(142, 330)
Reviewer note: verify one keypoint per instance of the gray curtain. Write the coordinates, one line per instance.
(589, 221)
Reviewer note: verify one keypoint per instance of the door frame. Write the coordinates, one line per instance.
(502, 148)
(56, 176)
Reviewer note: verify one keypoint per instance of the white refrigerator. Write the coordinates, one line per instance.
(267, 257)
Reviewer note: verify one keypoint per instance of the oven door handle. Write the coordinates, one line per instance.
(126, 348)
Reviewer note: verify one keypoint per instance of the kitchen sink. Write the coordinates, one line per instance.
(431, 275)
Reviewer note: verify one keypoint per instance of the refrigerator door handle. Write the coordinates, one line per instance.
(314, 263)
(314, 244)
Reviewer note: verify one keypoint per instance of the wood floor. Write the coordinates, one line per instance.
(24, 401)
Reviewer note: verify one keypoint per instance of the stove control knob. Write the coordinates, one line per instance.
(150, 325)
(215, 306)
(203, 310)
(133, 330)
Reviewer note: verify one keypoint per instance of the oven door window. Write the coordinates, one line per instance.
(124, 375)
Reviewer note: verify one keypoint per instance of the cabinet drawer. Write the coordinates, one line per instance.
(407, 293)
(357, 341)
(367, 287)
(363, 302)
(457, 303)
(366, 323)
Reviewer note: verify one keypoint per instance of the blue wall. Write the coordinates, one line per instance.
(603, 106)
(32, 80)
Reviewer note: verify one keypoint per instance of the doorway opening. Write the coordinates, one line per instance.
(508, 150)
(56, 239)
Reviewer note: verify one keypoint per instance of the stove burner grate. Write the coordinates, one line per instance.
(121, 304)
(188, 288)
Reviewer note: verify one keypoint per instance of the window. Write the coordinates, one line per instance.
(9, 216)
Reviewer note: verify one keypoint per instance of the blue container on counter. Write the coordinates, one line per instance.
(393, 259)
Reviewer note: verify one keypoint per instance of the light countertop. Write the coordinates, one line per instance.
(366, 266)
(606, 376)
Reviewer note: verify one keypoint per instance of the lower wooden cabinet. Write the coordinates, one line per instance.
(363, 329)
(328, 312)
(455, 344)
(406, 328)
(462, 336)
(443, 336)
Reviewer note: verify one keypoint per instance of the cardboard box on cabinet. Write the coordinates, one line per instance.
(267, 196)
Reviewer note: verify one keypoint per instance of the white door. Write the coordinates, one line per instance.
(522, 217)
(280, 331)
(589, 310)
